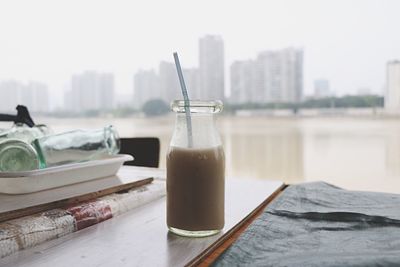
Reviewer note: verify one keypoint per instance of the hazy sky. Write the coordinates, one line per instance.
(347, 42)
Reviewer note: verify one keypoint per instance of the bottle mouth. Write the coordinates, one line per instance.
(16, 155)
(112, 140)
(197, 106)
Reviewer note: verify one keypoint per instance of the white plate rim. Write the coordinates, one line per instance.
(67, 167)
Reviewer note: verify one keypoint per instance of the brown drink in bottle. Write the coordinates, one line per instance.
(196, 175)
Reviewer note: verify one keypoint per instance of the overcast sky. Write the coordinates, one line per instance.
(347, 42)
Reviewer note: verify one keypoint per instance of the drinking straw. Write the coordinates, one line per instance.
(185, 98)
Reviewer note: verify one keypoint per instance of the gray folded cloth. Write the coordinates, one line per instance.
(318, 224)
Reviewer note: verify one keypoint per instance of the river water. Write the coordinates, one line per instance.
(355, 153)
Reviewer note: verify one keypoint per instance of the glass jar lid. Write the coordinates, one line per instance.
(197, 106)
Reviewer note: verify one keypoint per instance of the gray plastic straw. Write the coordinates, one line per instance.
(185, 98)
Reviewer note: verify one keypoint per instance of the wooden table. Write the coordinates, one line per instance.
(140, 237)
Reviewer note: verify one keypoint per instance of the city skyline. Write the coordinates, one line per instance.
(351, 52)
(281, 80)
(90, 90)
(206, 81)
(33, 94)
(164, 85)
(275, 76)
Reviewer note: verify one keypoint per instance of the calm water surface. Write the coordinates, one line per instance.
(354, 153)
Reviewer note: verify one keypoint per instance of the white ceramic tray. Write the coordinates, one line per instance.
(38, 180)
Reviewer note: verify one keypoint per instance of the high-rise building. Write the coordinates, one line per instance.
(168, 81)
(106, 91)
(192, 83)
(205, 82)
(392, 97)
(321, 88)
(9, 95)
(69, 100)
(243, 82)
(146, 87)
(211, 67)
(282, 75)
(84, 92)
(90, 90)
(275, 76)
(164, 85)
(34, 95)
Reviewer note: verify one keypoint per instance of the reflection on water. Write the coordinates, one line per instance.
(355, 153)
(392, 154)
(265, 155)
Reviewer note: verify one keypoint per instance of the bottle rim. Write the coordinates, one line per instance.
(12, 145)
(112, 139)
(197, 106)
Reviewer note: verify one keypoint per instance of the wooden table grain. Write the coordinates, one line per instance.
(140, 237)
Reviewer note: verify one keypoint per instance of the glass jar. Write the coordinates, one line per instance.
(25, 133)
(16, 152)
(17, 155)
(77, 146)
(195, 171)
(54, 150)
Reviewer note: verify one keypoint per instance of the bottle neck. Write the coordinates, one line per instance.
(203, 129)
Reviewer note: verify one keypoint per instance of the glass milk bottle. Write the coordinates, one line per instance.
(25, 133)
(53, 150)
(77, 146)
(195, 171)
